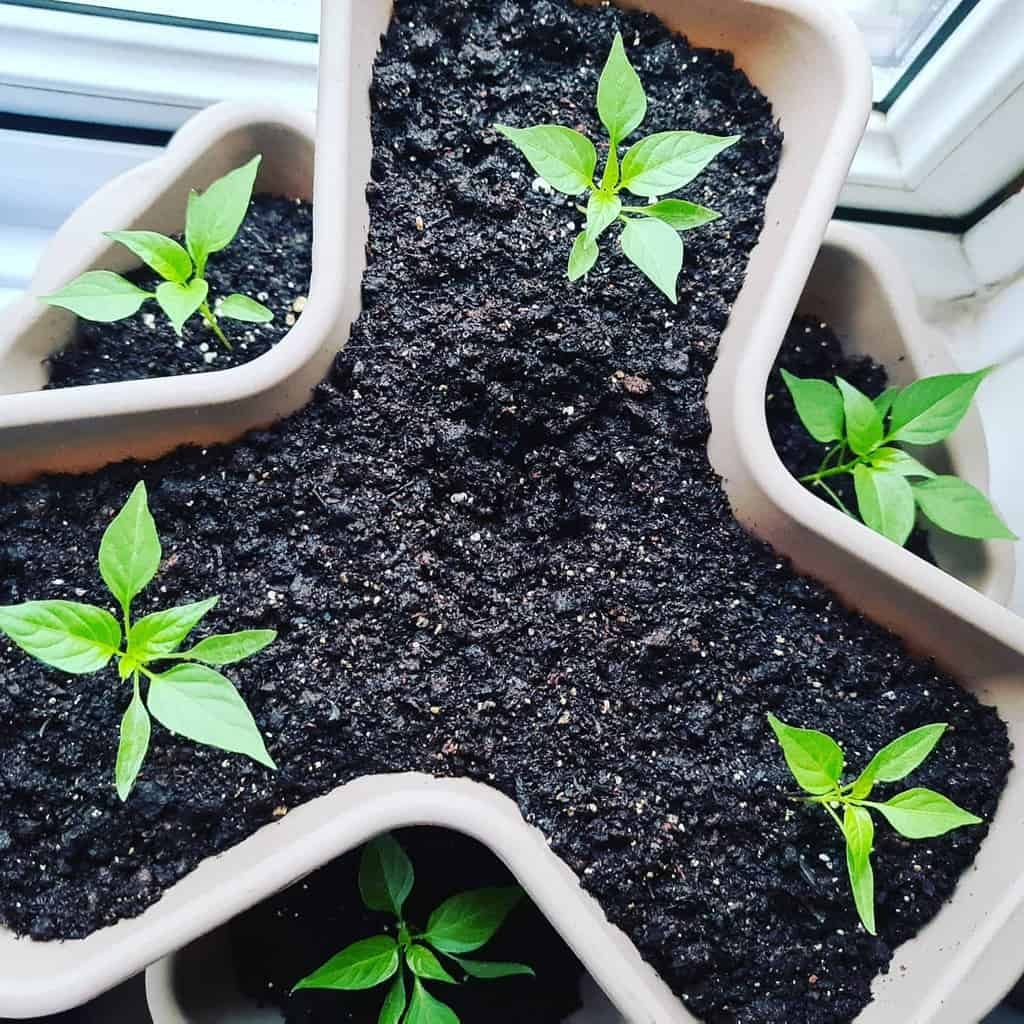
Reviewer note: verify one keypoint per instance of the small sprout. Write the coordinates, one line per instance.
(653, 167)
(189, 698)
(891, 485)
(462, 924)
(817, 762)
(212, 221)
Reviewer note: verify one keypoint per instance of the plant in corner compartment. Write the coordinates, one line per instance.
(653, 167)
(190, 698)
(817, 762)
(212, 220)
(862, 435)
(462, 924)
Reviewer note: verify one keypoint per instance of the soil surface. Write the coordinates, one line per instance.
(292, 934)
(494, 547)
(269, 260)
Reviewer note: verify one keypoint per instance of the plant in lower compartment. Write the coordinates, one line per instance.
(212, 220)
(817, 762)
(462, 924)
(890, 484)
(653, 167)
(189, 698)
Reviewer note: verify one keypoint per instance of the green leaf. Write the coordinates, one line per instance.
(241, 307)
(657, 250)
(386, 875)
(214, 217)
(863, 422)
(678, 214)
(883, 403)
(819, 406)
(163, 254)
(960, 508)
(425, 965)
(885, 502)
(133, 744)
(162, 632)
(180, 301)
(603, 210)
(362, 965)
(895, 460)
(929, 410)
(465, 922)
(130, 551)
(924, 814)
(898, 759)
(99, 295)
(488, 971)
(564, 158)
(425, 1009)
(667, 161)
(815, 760)
(583, 256)
(621, 101)
(859, 830)
(394, 1003)
(230, 648)
(75, 638)
(200, 704)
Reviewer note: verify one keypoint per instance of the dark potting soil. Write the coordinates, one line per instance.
(494, 547)
(293, 933)
(812, 349)
(269, 260)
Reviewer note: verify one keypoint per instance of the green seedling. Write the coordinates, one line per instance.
(189, 698)
(462, 924)
(817, 762)
(862, 438)
(212, 221)
(652, 167)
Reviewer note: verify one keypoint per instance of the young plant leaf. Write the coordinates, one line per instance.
(960, 508)
(924, 814)
(895, 460)
(488, 971)
(678, 214)
(100, 296)
(859, 831)
(230, 648)
(214, 217)
(200, 704)
(133, 745)
(621, 101)
(365, 964)
(602, 211)
(885, 502)
(241, 307)
(929, 410)
(386, 875)
(657, 250)
(564, 158)
(863, 423)
(394, 1003)
(883, 403)
(162, 254)
(425, 965)
(467, 921)
(667, 161)
(815, 760)
(75, 638)
(898, 759)
(819, 406)
(130, 551)
(425, 1009)
(582, 257)
(162, 632)
(181, 301)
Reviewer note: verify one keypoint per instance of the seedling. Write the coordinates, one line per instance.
(189, 698)
(817, 762)
(890, 484)
(212, 220)
(653, 167)
(462, 924)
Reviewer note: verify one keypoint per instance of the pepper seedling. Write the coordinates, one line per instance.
(890, 484)
(653, 167)
(213, 219)
(462, 924)
(817, 763)
(190, 698)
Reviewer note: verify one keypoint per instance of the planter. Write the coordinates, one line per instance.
(82, 428)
